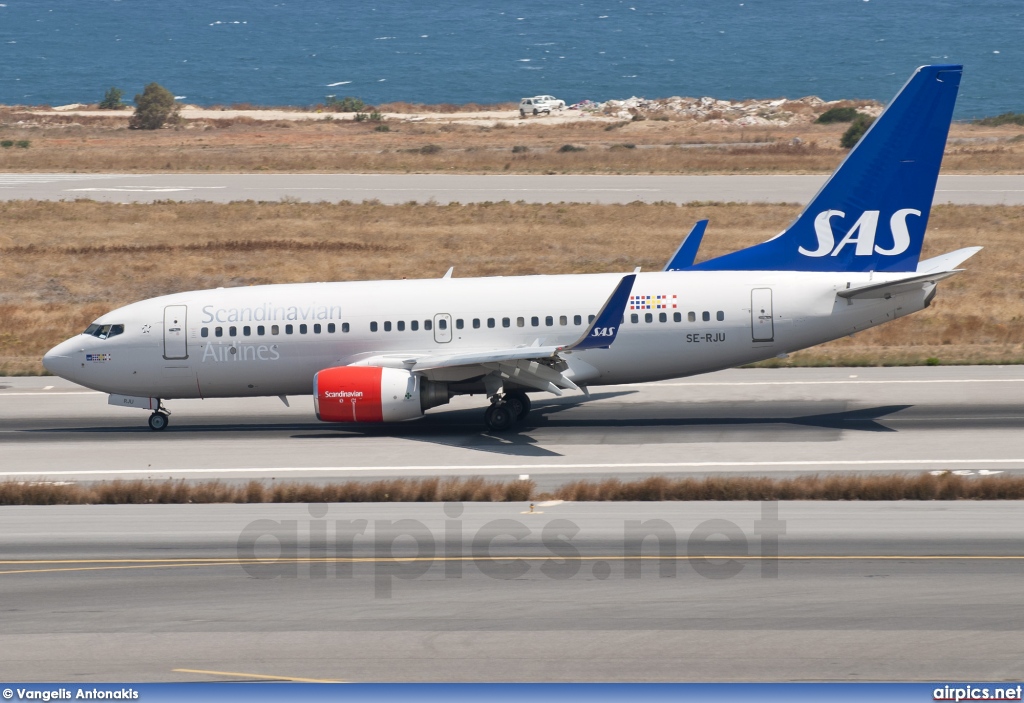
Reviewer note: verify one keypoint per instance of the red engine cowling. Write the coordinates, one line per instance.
(373, 394)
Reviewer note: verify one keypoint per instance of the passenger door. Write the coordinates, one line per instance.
(762, 327)
(442, 328)
(174, 332)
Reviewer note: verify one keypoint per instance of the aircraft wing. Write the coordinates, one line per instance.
(686, 254)
(524, 364)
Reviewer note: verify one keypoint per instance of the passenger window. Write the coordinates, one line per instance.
(289, 329)
(205, 332)
(387, 325)
(720, 316)
(490, 322)
(373, 326)
(331, 328)
(261, 330)
(591, 318)
(633, 317)
(677, 317)
(316, 328)
(648, 317)
(706, 316)
(563, 320)
(233, 331)
(428, 325)
(459, 324)
(345, 327)
(520, 322)
(275, 329)
(535, 321)
(247, 331)
(303, 329)
(691, 316)
(401, 325)
(549, 321)
(476, 323)
(506, 322)
(662, 317)
(218, 331)
(442, 324)
(414, 325)
(577, 320)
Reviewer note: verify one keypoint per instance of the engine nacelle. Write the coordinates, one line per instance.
(373, 394)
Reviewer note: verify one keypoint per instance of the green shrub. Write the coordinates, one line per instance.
(360, 117)
(837, 114)
(346, 104)
(520, 149)
(566, 148)
(112, 100)
(431, 149)
(1016, 118)
(7, 143)
(852, 135)
(22, 143)
(932, 361)
(154, 108)
(376, 117)
(382, 128)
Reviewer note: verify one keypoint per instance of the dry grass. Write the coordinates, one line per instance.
(61, 142)
(476, 489)
(473, 489)
(831, 487)
(66, 263)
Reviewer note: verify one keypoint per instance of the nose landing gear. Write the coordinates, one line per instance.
(507, 410)
(159, 419)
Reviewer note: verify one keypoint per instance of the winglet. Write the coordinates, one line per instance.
(686, 254)
(605, 327)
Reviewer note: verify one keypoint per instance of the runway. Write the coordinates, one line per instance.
(763, 421)
(471, 188)
(858, 591)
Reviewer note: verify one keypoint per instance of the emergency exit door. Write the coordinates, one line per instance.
(174, 332)
(761, 326)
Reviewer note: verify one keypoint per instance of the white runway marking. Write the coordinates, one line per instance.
(853, 381)
(516, 467)
(14, 179)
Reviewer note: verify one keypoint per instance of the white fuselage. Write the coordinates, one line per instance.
(271, 340)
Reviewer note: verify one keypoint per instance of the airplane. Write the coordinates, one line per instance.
(387, 351)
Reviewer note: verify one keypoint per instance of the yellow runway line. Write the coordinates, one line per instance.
(263, 677)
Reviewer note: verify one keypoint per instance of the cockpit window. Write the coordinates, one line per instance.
(104, 331)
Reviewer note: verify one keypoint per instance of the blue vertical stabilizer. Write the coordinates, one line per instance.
(872, 213)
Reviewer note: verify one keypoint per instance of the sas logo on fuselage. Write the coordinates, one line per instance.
(862, 234)
(603, 332)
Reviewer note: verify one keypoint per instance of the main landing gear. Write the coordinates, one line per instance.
(507, 410)
(159, 419)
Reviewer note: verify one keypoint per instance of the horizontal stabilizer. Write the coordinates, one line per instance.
(891, 288)
(947, 262)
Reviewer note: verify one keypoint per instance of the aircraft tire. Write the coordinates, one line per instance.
(499, 417)
(157, 422)
(519, 402)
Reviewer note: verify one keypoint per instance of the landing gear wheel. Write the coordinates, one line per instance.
(157, 421)
(519, 402)
(499, 417)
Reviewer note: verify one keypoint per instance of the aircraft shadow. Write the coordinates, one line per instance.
(463, 428)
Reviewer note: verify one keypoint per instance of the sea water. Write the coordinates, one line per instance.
(269, 52)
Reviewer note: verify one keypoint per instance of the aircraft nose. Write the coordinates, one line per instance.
(58, 360)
